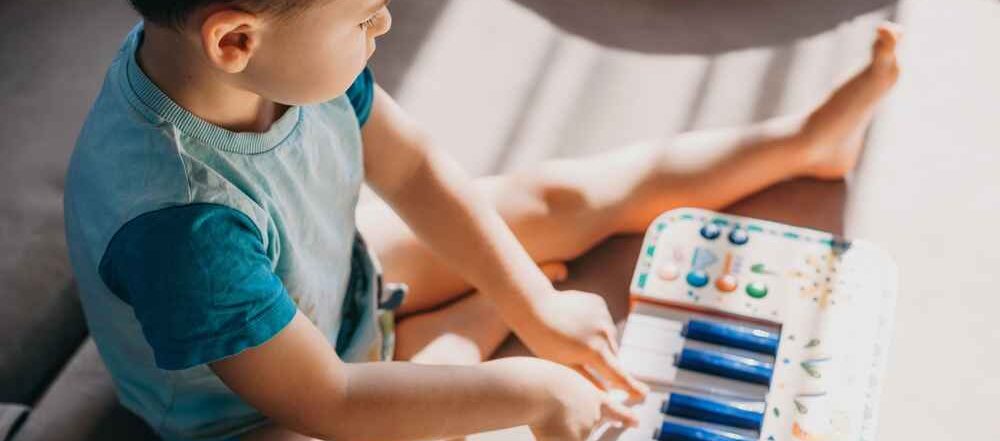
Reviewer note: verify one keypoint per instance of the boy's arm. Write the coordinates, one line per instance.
(297, 380)
(439, 203)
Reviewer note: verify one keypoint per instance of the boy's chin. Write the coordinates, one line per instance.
(306, 100)
(316, 93)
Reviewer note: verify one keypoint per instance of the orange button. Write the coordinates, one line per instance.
(726, 283)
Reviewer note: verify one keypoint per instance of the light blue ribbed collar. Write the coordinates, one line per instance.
(141, 91)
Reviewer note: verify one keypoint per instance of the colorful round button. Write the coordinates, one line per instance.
(711, 231)
(757, 290)
(739, 236)
(726, 283)
(669, 271)
(697, 278)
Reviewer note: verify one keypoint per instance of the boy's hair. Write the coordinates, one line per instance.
(174, 13)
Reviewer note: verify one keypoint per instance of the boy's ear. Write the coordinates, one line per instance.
(230, 38)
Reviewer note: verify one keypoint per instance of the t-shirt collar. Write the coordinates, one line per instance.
(142, 90)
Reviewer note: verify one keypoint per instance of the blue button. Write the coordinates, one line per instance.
(697, 278)
(711, 231)
(739, 236)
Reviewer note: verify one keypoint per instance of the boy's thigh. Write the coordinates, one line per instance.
(405, 259)
(464, 332)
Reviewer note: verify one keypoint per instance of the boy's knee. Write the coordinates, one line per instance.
(445, 349)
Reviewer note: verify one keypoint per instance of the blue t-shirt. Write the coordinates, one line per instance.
(191, 243)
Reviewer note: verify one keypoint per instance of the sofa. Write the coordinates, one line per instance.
(544, 78)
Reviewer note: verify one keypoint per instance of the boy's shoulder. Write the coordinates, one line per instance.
(121, 167)
(122, 146)
(121, 155)
(127, 162)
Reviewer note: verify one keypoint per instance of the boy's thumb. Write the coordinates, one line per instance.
(555, 271)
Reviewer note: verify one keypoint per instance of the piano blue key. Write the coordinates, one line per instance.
(670, 431)
(726, 365)
(734, 336)
(711, 411)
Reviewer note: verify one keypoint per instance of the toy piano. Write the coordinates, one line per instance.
(749, 330)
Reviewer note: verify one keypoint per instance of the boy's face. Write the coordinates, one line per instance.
(314, 55)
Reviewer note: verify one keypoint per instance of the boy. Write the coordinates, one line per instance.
(210, 210)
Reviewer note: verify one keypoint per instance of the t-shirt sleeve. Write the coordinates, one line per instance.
(361, 94)
(200, 282)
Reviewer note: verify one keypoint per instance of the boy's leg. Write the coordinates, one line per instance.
(560, 209)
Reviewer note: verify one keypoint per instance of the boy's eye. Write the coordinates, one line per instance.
(369, 22)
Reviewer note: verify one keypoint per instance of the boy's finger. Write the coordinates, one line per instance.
(612, 410)
(609, 369)
(611, 334)
(590, 377)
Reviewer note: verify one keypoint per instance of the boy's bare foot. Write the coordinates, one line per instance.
(835, 131)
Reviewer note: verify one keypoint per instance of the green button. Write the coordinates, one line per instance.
(757, 290)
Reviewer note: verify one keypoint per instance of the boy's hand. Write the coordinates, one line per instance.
(575, 328)
(577, 407)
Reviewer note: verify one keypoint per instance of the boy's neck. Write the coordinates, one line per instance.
(181, 73)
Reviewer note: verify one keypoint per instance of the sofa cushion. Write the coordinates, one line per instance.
(49, 80)
(82, 405)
